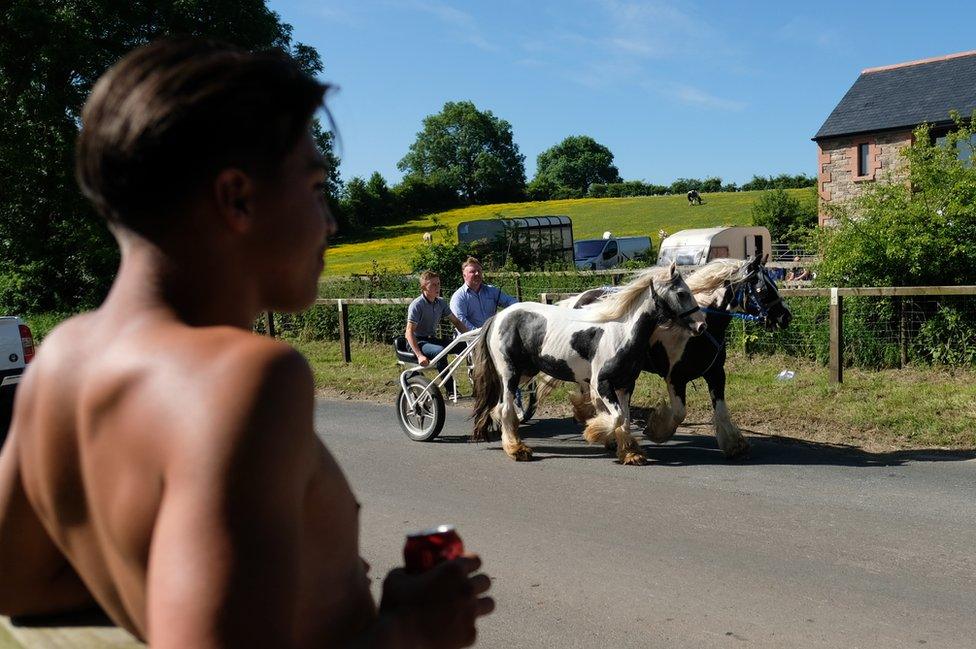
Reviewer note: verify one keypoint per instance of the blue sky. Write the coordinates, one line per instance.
(674, 88)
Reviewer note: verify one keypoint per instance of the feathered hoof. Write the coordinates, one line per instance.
(520, 453)
(737, 450)
(632, 458)
(583, 412)
(657, 431)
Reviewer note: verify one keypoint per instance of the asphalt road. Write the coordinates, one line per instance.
(797, 546)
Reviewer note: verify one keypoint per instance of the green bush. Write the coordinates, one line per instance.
(947, 337)
(913, 231)
(787, 219)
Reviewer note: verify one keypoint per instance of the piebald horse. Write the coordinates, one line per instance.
(726, 289)
(601, 349)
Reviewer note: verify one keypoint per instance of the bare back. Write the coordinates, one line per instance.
(124, 423)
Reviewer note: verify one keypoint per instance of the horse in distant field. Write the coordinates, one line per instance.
(428, 237)
(601, 349)
(726, 289)
(694, 197)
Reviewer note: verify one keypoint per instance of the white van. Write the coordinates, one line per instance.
(700, 246)
(610, 251)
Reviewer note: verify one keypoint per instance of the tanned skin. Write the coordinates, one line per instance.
(162, 462)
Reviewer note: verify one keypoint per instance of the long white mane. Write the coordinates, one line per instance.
(628, 297)
(714, 274)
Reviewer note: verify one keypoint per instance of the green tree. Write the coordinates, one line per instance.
(570, 167)
(469, 150)
(787, 219)
(55, 252)
(367, 203)
(919, 230)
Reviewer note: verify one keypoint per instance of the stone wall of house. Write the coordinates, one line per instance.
(837, 178)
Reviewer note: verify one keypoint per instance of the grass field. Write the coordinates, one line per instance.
(392, 246)
(883, 411)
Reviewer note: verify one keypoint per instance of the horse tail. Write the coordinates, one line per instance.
(544, 385)
(487, 385)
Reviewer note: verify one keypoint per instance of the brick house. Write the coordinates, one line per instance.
(862, 137)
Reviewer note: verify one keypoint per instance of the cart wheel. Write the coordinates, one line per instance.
(527, 403)
(425, 421)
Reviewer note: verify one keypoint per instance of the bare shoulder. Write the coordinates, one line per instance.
(248, 388)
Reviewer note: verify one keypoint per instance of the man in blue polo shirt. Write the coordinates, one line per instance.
(423, 316)
(476, 301)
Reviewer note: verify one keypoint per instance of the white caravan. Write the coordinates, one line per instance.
(700, 246)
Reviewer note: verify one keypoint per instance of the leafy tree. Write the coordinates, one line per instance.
(626, 188)
(415, 195)
(571, 166)
(469, 150)
(685, 185)
(919, 232)
(711, 185)
(367, 203)
(55, 252)
(782, 181)
(787, 219)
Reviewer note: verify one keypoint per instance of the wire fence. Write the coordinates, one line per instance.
(876, 327)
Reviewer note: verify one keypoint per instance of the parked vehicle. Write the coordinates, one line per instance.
(543, 233)
(700, 246)
(16, 350)
(608, 252)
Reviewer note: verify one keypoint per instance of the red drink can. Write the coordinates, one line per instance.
(424, 550)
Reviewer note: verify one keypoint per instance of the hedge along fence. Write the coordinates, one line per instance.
(872, 327)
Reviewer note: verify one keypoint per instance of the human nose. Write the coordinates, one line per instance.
(331, 226)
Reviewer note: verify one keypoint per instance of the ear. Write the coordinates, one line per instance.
(765, 259)
(233, 192)
(673, 270)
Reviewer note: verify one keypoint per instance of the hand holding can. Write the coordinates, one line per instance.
(424, 550)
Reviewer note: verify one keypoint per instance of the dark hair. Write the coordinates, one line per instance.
(164, 120)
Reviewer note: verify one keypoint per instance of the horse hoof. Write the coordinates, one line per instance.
(521, 453)
(737, 451)
(633, 459)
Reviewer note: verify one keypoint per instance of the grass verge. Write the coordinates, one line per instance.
(913, 408)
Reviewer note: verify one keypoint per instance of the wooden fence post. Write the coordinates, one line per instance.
(344, 331)
(615, 279)
(836, 358)
(545, 298)
(518, 287)
(269, 321)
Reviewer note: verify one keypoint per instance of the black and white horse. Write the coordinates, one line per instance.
(726, 289)
(602, 349)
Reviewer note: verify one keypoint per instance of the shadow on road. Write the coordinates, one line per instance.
(562, 439)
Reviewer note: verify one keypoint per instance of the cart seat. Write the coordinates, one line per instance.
(403, 352)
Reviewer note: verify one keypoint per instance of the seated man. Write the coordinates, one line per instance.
(423, 316)
(476, 301)
(162, 462)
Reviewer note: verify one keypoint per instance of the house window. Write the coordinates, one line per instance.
(863, 151)
(964, 148)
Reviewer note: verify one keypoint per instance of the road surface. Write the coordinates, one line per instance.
(797, 546)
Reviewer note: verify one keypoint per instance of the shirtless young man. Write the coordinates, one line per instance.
(162, 462)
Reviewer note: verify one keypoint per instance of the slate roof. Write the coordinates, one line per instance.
(905, 95)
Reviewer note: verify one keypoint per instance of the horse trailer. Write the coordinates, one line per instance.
(699, 246)
(546, 234)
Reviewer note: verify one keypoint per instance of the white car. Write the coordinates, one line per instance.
(16, 351)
